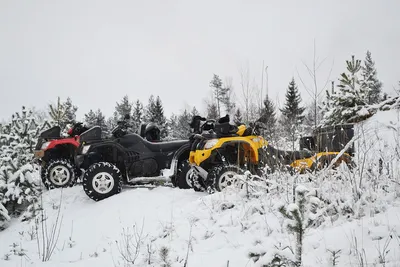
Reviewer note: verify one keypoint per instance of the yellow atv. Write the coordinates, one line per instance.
(318, 161)
(217, 156)
(325, 145)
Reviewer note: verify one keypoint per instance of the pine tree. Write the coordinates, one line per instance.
(122, 108)
(194, 112)
(172, 126)
(370, 80)
(101, 121)
(19, 191)
(292, 113)
(347, 103)
(149, 111)
(97, 119)
(137, 117)
(300, 216)
(58, 113)
(238, 118)
(183, 128)
(268, 118)
(155, 113)
(221, 94)
(70, 111)
(90, 119)
(212, 112)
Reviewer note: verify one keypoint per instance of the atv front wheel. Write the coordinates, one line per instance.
(184, 180)
(225, 176)
(58, 173)
(102, 180)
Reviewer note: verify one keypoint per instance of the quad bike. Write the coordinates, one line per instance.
(316, 151)
(56, 154)
(218, 155)
(124, 158)
(325, 145)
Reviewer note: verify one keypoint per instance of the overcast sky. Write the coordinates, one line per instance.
(97, 51)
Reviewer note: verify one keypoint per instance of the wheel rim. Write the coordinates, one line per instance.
(189, 178)
(59, 175)
(103, 182)
(227, 179)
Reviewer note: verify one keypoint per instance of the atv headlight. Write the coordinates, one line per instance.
(45, 145)
(85, 149)
(210, 143)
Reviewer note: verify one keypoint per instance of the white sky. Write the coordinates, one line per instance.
(97, 51)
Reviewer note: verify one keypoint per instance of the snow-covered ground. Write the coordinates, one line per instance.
(359, 220)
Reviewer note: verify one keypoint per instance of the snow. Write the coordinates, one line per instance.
(230, 228)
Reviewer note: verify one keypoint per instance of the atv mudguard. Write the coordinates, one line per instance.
(101, 151)
(179, 155)
(251, 144)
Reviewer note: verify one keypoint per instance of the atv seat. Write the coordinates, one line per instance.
(164, 146)
(142, 130)
(225, 129)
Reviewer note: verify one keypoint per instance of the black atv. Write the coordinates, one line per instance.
(126, 157)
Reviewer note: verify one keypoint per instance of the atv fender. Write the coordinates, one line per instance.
(177, 157)
(200, 156)
(66, 141)
(99, 151)
(65, 149)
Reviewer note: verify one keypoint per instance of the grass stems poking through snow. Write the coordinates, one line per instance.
(189, 245)
(358, 252)
(47, 238)
(383, 251)
(130, 244)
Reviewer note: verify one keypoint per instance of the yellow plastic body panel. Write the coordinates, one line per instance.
(303, 164)
(252, 144)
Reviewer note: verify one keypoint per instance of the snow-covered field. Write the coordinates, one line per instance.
(357, 219)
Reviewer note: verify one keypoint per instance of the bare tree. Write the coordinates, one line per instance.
(248, 94)
(315, 90)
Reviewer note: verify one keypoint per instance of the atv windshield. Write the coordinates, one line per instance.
(52, 133)
(92, 134)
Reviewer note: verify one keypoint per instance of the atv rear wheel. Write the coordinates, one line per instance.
(183, 176)
(225, 176)
(58, 173)
(102, 180)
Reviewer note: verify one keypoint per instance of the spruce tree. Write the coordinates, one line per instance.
(149, 112)
(123, 108)
(183, 128)
(19, 190)
(347, 103)
(90, 119)
(97, 119)
(70, 111)
(155, 113)
(370, 80)
(292, 113)
(138, 116)
(172, 127)
(194, 112)
(268, 117)
(58, 113)
(238, 119)
(212, 112)
(221, 94)
(101, 121)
